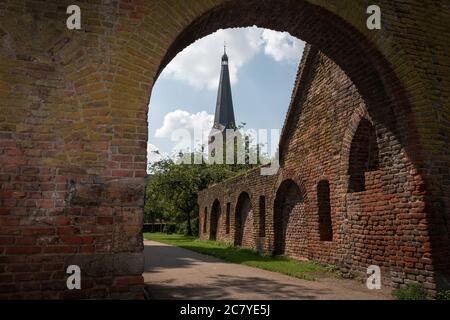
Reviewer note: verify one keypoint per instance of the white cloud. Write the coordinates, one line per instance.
(282, 46)
(199, 64)
(189, 130)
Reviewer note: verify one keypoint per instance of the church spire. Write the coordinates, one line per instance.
(224, 116)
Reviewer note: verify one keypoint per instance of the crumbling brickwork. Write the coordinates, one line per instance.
(73, 136)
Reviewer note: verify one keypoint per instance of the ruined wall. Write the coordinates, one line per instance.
(326, 145)
(374, 208)
(232, 195)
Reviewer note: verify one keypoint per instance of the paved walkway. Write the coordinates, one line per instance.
(175, 273)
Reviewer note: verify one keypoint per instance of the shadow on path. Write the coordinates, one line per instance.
(176, 273)
(225, 287)
(162, 257)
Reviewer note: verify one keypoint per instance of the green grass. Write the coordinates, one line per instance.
(299, 269)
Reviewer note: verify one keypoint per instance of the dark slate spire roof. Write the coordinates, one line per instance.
(224, 117)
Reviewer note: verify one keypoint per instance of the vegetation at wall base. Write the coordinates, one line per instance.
(411, 291)
(306, 270)
(443, 295)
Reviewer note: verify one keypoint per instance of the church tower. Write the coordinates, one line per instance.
(224, 115)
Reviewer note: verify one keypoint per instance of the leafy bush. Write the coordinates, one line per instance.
(411, 291)
(443, 295)
(171, 193)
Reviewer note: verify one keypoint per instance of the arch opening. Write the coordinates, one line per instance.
(384, 96)
(346, 46)
(244, 222)
(288, 218)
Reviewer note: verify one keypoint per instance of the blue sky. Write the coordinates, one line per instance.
(263, 66)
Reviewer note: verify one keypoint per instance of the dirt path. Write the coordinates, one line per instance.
(176, 273)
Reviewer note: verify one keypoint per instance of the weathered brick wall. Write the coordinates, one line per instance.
(374, 202)
(73, 129)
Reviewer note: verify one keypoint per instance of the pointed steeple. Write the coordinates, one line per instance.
(224, 117)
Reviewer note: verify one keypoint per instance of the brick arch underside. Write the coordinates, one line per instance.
(357, 57)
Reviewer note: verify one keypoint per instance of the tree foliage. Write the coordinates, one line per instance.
(172, 188)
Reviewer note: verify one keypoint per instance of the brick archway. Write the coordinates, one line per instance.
(74, 127)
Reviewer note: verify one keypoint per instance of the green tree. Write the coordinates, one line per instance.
(172, 188)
